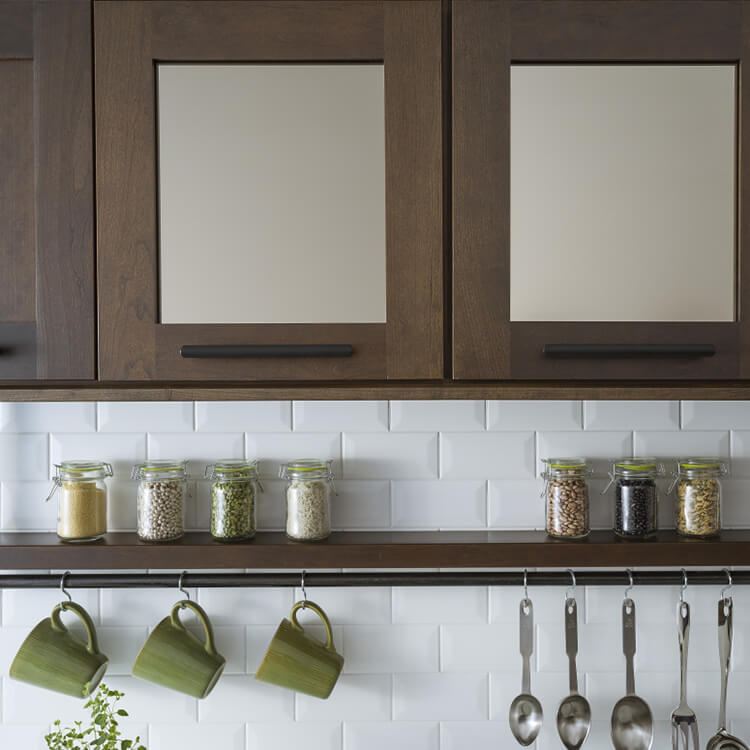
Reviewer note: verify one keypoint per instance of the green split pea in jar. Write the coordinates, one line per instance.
(233, 499)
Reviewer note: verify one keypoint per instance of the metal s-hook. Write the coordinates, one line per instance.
(684, 585)
(572, 588)
(183, 591)
(629, 587)
(729, 585)
(63, 590)
(304, 592)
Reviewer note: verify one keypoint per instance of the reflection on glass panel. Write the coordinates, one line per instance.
(271, 193)
(623, 192)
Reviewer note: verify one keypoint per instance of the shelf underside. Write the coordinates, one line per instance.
(397, 549)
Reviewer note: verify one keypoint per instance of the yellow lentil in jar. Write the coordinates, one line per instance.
(82, 511)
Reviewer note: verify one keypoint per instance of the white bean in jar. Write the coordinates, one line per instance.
(160, 510)
(308, 513)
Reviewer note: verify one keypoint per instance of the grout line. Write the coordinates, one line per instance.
(486, 415)
(97, 420)
(583, 415)
(393, 697)
(291, 416)
(487, 503)
(389, 419)
(195, 416)
(680, 416)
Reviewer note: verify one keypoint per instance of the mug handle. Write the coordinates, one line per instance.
(320, 613)
(93, 645)
(200, 613)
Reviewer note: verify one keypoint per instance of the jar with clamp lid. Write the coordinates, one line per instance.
(160, 508)
(82, 502)
(308, 498)
(697, 488)
(567, 497)
(636, 496)
(233, 499)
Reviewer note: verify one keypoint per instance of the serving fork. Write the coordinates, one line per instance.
(684, 722)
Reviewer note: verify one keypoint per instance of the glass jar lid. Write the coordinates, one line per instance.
(565, 466)
(161, 469)
(230, 469)
(79, 470)
(701, 467)
(306, 468)
(638, 466)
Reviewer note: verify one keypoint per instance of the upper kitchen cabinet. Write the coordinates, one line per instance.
(601, 157)
(47, 326)
(269, 190)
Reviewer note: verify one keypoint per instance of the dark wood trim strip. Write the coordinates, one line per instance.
(64, 178)
(21, 551)
(16, 30)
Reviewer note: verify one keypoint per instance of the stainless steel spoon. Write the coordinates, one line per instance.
(722, 740)
(574, 714)
(632, 722)
(526, 712)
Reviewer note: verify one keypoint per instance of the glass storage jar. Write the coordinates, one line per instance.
(697, 488)
(82, 503)
(160, 513)
(233, 498)
(308, 498)
(567, 496)
(636, 496)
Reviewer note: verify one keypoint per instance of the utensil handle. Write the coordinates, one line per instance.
(628, 643)
(255, 351)
(683, 636)
(725, 654)
(571, 641)
(526, 622)
(628, 350)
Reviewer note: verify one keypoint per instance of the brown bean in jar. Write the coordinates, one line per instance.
(567, 497)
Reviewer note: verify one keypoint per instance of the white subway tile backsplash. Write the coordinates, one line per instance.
(444, 604)
(21, 704)
(243, 696)
(150, 703)
(740, 453)
(24, 509)
(397, 735)
(631, 415)
(489, 455)
(120, 450)
(534, 415)
(198, 449)
(735, 503)
(372, 649)
(149, 416)
(121, 645)
(437, 416)
(439, 504)
(716, 415)
(251, 606)
(440, 697)
(272, 449)
(599, 447)
(47, 417)
(243, 416)
(26, 607)
(348, 605)
(28, 737)
(197, 737)
(460, 735)
(138, 607)
(548, 604)
(361, 504)
(318, 736)
(356, 697)
(340, 416)
(478, 648)
(23, 457)
(390, 455)
(673, 445)
(516, 504)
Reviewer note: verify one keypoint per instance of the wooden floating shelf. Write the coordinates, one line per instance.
(375, 549)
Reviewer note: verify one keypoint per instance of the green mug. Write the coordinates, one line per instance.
(296, 661)
(52, 657)
(174, 658)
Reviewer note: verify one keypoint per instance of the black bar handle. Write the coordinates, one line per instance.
(629, 350)
(255, 351)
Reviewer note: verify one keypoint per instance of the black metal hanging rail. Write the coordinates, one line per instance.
(429, 578)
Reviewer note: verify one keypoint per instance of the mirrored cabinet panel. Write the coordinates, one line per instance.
(271, 193)
(600, 151)
(622, 192)
(269, 190)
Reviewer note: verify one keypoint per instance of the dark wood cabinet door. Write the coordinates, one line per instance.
(131, 40)
(47, 326)
(491, 36)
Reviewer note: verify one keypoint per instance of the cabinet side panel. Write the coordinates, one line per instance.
(414, 191)
(64, 176)
(125, 189)
(17, 191)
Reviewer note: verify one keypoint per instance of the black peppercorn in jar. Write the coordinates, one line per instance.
(698, 496)
(636, 496)
(567, 496)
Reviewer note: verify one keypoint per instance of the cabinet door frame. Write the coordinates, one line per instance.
(47, 316)
(489, 35)
(129, 37)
